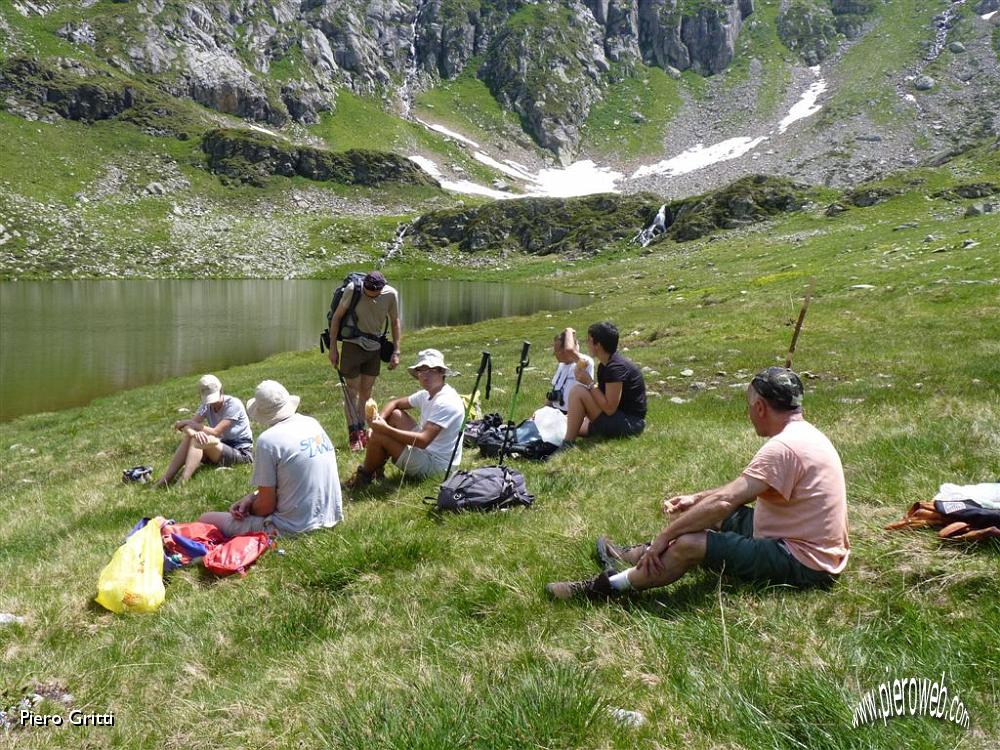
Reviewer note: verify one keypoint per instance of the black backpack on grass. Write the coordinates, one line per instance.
(489, 488)
(526, 442)
(350, 320)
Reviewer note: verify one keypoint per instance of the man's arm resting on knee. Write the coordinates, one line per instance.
(710, 510)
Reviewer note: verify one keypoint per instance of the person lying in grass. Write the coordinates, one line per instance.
(219, 434)
(795, 535)
(614, 406)
(295, 472)
(417, 448)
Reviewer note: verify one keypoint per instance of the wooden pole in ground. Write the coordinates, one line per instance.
(798, 323)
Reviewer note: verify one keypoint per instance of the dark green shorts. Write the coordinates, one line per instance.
(734, 550)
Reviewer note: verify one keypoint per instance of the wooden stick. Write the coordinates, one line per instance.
(798, 323)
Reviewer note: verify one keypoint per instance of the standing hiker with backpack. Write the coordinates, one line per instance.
(366, 307)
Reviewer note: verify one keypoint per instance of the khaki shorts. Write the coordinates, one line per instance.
(417, 462)
(354, 361)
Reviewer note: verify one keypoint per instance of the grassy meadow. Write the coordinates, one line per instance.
(401, 629)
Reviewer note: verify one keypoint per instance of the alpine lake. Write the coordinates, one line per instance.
(65, 343)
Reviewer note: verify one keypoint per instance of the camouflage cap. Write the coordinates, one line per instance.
(780, 387)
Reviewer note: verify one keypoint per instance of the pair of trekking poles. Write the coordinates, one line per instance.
(486, 365)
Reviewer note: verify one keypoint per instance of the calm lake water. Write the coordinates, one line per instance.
(63, 343)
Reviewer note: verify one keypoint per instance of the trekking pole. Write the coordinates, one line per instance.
(798, 323)
(508, 436)
(485, 365)
(348, 409)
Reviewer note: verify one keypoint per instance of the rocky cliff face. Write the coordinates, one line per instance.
(281, 60)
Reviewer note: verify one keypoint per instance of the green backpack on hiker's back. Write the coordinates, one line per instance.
(350, 319)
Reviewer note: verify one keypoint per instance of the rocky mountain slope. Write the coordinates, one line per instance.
(158, 120)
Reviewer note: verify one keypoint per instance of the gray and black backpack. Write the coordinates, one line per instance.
(489, 488)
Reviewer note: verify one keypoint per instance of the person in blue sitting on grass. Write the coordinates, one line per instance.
(219, 434)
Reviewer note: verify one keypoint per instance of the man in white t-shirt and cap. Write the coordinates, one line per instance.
(416, 448)
(295, 472)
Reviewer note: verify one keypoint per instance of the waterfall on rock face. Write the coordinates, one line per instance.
(397, 244)
(658, 226)
(410, 74)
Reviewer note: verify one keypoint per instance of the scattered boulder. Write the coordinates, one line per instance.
(304, 101)
(970, 190)
(978, 209)
(956, 48)
(864, 197)
(78, 33)
(835, 209)
(923, 83)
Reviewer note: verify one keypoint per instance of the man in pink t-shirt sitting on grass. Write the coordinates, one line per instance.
(795, 535)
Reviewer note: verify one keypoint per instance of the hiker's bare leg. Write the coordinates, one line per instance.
(180, 455)
(401, 420)
(365, 385)
(192, 461)
(685, 552)
(582, 409)
(379, 450)
(213, 451)
(353, 408)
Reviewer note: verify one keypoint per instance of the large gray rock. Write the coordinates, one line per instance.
(548, 70)
(704, 40)
(809, 30)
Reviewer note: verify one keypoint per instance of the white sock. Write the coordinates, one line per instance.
(620, 582)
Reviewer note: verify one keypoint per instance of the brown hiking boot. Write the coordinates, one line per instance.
(593, 588)
(360, 480)
(615, 559)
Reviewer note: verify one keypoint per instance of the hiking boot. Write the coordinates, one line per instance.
(615, 559)
(592, 588)
(360, 480)
(355, 441)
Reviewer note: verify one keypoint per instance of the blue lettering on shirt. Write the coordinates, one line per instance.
(317, 445)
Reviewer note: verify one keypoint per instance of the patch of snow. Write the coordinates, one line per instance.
(517, 172)
(988, 16)
(262, 129)
(456, 186)
(806, 105)
(579, 178)
(701, 156)
(448, 133)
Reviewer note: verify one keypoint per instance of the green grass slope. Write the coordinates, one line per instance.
(402, 630)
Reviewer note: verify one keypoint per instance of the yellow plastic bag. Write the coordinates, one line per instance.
(133, 580)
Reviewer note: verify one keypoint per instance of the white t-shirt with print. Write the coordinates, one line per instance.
(296, 457)
(446, 410)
